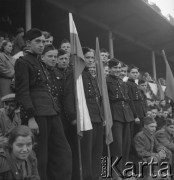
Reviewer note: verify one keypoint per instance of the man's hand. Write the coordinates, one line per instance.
(74, 122)
(32, 124)
(137, 120)
(162, 154)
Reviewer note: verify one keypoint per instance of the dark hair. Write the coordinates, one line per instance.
(104, 50)
(86, 50)
(61, 52)
(64, 41)
(4, 43)
(141, 81)
(132, 66)
(113, 62)
(124, 65)
(47, 48)
(46, 34)
(21, 130)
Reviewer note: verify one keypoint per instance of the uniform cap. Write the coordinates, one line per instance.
(8, 97)
(32, 34)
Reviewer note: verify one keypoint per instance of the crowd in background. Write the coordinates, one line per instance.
(143, 125)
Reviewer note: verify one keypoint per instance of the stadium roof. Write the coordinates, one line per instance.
(133, 20)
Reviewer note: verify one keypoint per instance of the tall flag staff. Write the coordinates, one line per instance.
(83, 118)
(106, 106)
(169, 79)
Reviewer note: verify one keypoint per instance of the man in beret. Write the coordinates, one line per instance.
(9, 116)
(40, 112)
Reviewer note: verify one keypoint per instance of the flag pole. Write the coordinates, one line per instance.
(154, 65)
(78, 137)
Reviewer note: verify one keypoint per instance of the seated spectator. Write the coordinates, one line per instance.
(123, 74)
(9, 115)
(6, 68)
(147, 145)
(17, 160)
(163, 103)
(165, 135)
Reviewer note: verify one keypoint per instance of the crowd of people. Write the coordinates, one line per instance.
(38, 120)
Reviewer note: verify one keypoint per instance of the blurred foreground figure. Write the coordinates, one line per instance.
(17, 160)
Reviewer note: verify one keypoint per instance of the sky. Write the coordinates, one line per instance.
(166, 6)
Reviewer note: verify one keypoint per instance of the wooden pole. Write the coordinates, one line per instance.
(28, 15)
(111, 47)
(154, 65)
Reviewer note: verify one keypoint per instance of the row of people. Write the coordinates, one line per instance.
(44, 88)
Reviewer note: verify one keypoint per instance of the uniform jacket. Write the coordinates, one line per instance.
(92, 94)
(147, 146)
(10, 171)
(7, 124)
(6, 66)
(32, 88)
(119, 100)
(137, 97)
(165, 139)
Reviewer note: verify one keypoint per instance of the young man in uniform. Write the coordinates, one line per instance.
(40, 113)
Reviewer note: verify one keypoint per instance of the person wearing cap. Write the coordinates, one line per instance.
(121, 113)
(146, 144)
(40, 112)
(148, 147)
(92, 141)
(9, 116)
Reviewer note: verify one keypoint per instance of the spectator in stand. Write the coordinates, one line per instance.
(6, 68)
(104, 55)
(65, 45)
(123, 74)
(1, 40)
(148, 147)
(163, 103)
(9, 115)
(48, 37)
(17, 160)
(19, 42)
(106, 70)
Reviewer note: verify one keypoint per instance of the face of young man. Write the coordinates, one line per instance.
(22, 147)
(123, 72)
(63, 61)
(10, 107)
(151, 127)
(104, 56)
(66, 47)
(8, 48)
(134, 74)
(89, 58)
(170, 129)
(50, 58)
(106, 70)
(92, 70)
(49, 40)
(115, 70)
(165, 114)
(154, 113)
(37, 45)
(143, 87)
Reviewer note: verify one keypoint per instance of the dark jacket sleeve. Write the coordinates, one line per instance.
(131, 103)
(22, 87)
(69, 98)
